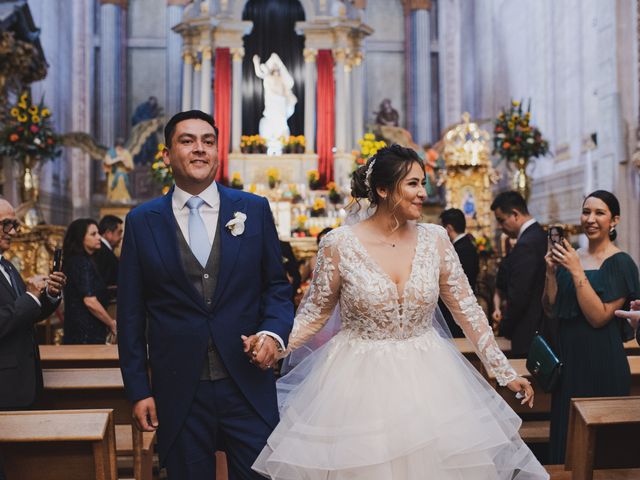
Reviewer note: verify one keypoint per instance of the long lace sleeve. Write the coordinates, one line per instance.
(457, 295)
(321, 297)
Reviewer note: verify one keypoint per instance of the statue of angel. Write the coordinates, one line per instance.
(279, 100)
(118, 160)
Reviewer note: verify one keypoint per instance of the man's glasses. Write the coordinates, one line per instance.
(10, 224)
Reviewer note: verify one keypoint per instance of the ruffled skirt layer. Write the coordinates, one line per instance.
(393, 410)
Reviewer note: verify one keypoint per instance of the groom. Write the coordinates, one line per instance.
(200, 272)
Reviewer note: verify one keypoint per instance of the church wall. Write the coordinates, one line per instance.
(385, 58)
(567, 57)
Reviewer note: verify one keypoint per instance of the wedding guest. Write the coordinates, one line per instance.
(86, 320)
(583, 289)
(111, 231)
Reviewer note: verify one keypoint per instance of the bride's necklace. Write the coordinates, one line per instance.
(392, 245)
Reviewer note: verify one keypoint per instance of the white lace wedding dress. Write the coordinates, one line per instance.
(389, 398)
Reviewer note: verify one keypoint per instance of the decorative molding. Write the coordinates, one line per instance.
(207, 53)
(339, 55)
(310, 55)
(124, 4)
(563, 152)
(411, 5)
(237, 54)
(187, 57)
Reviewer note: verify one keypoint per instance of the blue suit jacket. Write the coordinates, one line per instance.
(252, 294)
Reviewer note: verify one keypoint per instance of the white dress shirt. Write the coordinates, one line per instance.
(459, 237)
(7, 275)
(526, 225)
(209, 211)
(106, 243)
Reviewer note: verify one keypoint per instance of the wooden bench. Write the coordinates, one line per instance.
(58, 445)
(79, 356)
(603, 433)
(101, 388)
(557, 472)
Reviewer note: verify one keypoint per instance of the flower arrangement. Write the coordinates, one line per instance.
(293, 144)
(313, 177)
(236, 181)
(483, 245)
(334, 193)
(300, 229)
(273, 177)
(253, 144)
(28, 131)
(319, 207)
(293, 194)
(160, 172)
(368, 147)
(514, 136)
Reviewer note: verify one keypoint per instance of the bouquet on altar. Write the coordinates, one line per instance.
(161, 172)
(515, 137)
(368, 147)
(483, 245)
(253, 144)
(293, 144)
(28, 132)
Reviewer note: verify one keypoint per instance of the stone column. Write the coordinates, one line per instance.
(237, 54)
(187, 80)
(174, 70)
(310, 55)
(358, 98)
(197, 78)
(348, 107)
(339, 56)
(206, 74)
(420, 66)
(110, 69)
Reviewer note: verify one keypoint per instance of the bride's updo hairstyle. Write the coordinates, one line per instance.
(385, 169)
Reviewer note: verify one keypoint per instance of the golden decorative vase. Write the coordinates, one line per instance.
(521, 183)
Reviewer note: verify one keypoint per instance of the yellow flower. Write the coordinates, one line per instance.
(313, 175)
(515, 103)
(369, 136)
(252, 188)
(45, 112)
(22, 118)
(33, 109)
(35, 119)
(15, 112)
(24, 96)
(22, 104)
(301, 219)
(236, 176)
(319, 204)
(331, 186)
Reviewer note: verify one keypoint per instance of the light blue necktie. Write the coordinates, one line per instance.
(198, 238)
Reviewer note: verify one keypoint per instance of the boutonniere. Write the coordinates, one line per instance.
(236, 224)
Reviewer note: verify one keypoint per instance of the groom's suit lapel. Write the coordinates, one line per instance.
(164, 228)
(230, 202)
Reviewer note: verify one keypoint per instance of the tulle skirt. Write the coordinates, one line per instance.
(393, 410)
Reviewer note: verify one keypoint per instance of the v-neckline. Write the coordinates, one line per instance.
(376, 265)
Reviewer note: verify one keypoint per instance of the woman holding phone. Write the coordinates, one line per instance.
(86, 320)
(583, 289)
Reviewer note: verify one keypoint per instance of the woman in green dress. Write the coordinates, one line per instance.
(583, 289)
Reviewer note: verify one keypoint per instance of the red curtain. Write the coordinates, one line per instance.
(325, 115)
(222, 107)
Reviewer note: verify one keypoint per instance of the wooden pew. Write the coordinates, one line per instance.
(101, 388)
(465, 347)
(79, 356)
(557, 472)
(58, 445)
(603, 432)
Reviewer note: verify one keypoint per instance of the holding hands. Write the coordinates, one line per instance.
(261, 349)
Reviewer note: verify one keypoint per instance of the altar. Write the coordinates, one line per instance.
(292, 167)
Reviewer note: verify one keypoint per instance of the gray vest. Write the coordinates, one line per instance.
(204, 280)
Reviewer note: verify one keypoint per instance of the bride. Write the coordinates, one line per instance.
(390, 397)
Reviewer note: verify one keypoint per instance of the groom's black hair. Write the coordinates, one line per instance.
(170, 127)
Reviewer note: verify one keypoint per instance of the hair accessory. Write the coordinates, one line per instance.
(367, 175)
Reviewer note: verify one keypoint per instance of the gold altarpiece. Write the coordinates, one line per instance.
(469, 175)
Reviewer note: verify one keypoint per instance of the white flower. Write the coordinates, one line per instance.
(236, 224)
(529, 140)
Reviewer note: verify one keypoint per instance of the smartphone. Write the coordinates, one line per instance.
(57, 260)
(556, 234)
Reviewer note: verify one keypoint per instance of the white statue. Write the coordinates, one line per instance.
(279, 101)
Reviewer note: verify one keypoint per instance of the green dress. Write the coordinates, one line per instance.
(595, 363)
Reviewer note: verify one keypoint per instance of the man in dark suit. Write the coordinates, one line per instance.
(203, 300)
(111, 231)
(525, 275)
(21, 306)
(455, 224)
